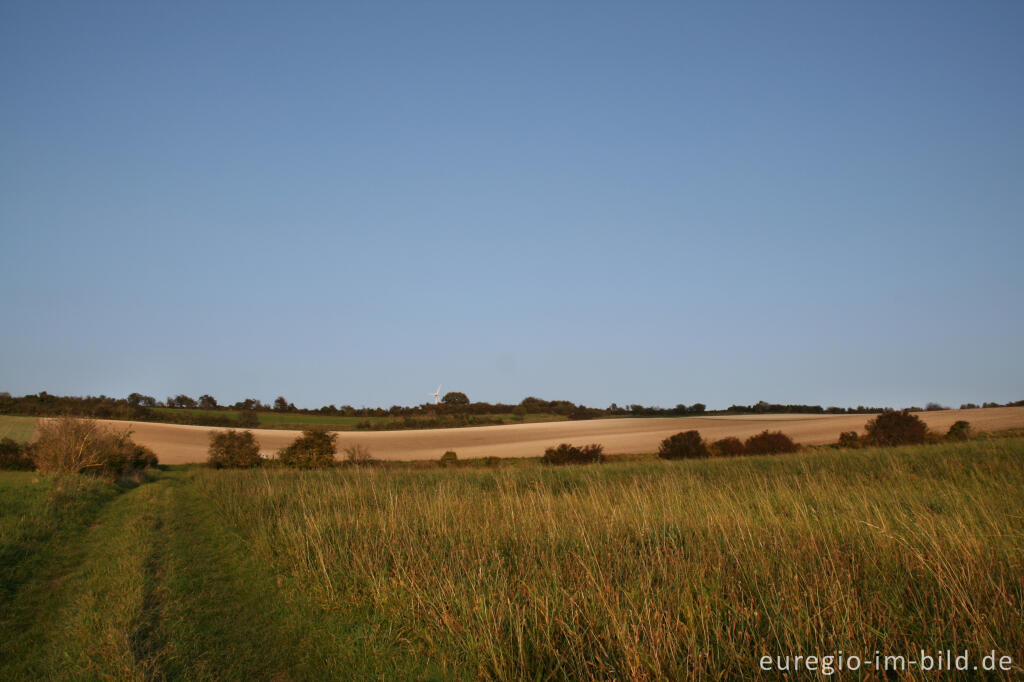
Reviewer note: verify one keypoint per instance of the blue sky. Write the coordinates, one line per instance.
(652, 203)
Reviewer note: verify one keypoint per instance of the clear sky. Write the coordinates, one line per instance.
(652, 203)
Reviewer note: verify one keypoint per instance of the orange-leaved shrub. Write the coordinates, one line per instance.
(728, 447)
(769, 443)
(684, 445)
(849, 439)
(896, 428)
(571, 454)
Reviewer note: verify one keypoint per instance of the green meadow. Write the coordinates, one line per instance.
(21, 429)
(639, 569)
(295, 420)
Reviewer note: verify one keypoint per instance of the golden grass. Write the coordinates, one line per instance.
(653, 570)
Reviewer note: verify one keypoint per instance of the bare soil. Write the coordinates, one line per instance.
(175, 444)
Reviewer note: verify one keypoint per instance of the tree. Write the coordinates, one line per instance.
(233, 449)
(249, 404)
(685, 445)
(182, 400)
(313, 449)
(455, 398)
(207, 402)
(137, 399)
(697, 408)
(282, 405)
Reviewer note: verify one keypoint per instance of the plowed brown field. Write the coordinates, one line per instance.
(176, 444)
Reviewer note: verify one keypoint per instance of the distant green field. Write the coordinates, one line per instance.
(21, 429)
(283, 420)
(272, 420)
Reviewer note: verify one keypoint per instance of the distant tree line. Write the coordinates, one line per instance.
(454, 409)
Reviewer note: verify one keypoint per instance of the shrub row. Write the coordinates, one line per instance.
(313, 449)
(571, 454)
(900, 428)
(690, 445)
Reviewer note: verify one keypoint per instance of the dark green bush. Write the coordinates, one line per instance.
(849, 439)
(685, 445)
(15, 456)
(313, 449)
(125, 455)
(770, 443)
(896, 428)
(234, 450)
(727, 447)
(960, 430)
(571, 454)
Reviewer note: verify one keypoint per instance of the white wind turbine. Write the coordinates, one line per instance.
(437, 395)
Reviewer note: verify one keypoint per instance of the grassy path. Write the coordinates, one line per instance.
(153, 585)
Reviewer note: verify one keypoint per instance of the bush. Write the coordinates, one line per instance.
(234, 449)
(960, 430)
(728, 447)
(15, 456)
(358, 455)
(313, 449)
(686, 445)
(770, 443)
(71, 445)
(125, 455)
(896, 428)
(570, 454)
(248, 419)
(449, 458)
(849, 439)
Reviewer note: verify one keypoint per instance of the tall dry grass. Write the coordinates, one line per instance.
(660, 569)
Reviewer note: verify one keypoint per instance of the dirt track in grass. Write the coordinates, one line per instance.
(176, 444)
